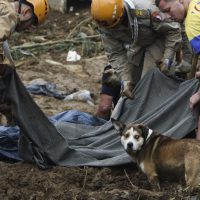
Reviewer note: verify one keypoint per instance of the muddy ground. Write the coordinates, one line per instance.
(25, 181)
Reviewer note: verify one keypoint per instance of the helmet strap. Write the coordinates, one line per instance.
(20, 6)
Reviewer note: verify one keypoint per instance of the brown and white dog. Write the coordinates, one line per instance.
(157, 154)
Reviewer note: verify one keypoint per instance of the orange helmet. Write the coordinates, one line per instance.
(107, 12)
(40, 9)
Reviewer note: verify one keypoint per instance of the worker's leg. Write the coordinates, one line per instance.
(105, 106)
(110, 93)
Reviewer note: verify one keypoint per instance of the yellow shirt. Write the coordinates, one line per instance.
(192, 25)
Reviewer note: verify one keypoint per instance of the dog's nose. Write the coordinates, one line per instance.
(130, 145)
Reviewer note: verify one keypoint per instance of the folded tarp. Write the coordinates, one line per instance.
(160, 102)
(9, 136)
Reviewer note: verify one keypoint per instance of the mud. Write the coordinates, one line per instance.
(22, 181)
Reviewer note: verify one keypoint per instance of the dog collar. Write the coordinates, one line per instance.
(149, 134)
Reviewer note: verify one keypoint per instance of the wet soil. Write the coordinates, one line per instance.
(22, 181)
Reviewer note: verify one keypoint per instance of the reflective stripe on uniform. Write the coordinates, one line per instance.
(130, 3)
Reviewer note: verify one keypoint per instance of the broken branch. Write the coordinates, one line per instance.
(143, 191)
(36, 45)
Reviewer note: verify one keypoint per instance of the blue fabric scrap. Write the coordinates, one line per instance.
(9, 136)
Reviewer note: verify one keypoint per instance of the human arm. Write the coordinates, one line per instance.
(185, 63)
(115, 49)
(8, 21)
(171, 31)
(195, 98)
(172, 35)
(114, 43)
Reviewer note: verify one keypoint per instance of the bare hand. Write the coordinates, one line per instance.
(194, 99)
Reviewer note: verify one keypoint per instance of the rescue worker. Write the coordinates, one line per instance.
(135, 37)
(17, 16)
(188, 10)
(195, 102)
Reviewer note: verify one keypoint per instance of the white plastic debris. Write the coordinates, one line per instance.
(73, 56)
(71, 8)
(82, 95)
(52, 62)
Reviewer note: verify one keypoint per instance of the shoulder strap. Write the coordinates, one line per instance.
(129, 6)
(7, 53)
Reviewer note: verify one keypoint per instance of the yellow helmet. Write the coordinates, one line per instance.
(107, 12)
(41, 9)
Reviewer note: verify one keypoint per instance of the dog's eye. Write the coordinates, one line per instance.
(126, 135)
(136, 137)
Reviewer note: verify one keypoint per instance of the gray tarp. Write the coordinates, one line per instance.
(160, 102)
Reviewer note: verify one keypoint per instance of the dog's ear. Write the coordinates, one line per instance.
(144, 129)
(119, 126)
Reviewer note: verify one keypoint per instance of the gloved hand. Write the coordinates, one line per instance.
(165, 66)
(110, 78)
(127, 89)
(7, 54)
(183, 67)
